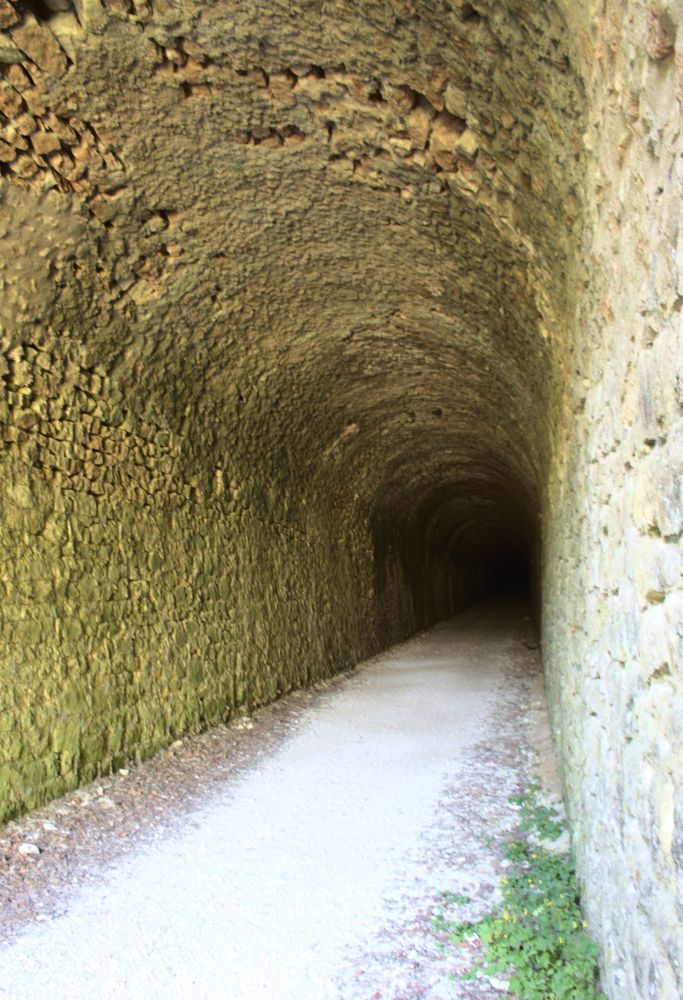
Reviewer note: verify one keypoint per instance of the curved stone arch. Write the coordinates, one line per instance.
(295, 301)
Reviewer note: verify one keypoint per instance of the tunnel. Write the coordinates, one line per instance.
(320, 322)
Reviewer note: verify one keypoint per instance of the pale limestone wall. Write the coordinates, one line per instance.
(613, 604)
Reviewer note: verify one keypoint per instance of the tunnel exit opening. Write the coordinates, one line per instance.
(456, 548)
(509, 572)
(491, 560)
(495, 562)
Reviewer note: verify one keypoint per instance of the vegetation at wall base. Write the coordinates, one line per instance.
(536, 938)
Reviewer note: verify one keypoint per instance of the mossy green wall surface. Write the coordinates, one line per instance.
(276, 304)
(139, 604)
(135, 606)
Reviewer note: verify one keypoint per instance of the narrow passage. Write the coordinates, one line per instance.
(314, 872)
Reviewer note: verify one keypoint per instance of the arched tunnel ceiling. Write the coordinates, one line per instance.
(332, 240)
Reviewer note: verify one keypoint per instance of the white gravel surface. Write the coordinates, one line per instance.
(314, 875)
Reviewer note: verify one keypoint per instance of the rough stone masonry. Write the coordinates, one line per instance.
(315, 316)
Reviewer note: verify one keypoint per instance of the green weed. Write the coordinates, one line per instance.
(537, 818)
(536, 937)
(455, 899)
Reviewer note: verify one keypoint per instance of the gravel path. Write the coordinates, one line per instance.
(299, 855)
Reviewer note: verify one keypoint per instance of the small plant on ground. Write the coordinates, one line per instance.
(537, 819)
(536, 937)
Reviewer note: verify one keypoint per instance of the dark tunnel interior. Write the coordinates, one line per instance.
(466, 542)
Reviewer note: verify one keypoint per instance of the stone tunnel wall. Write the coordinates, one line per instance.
(613, 605)
(205, 391)
(266, 410)
(137, 606)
